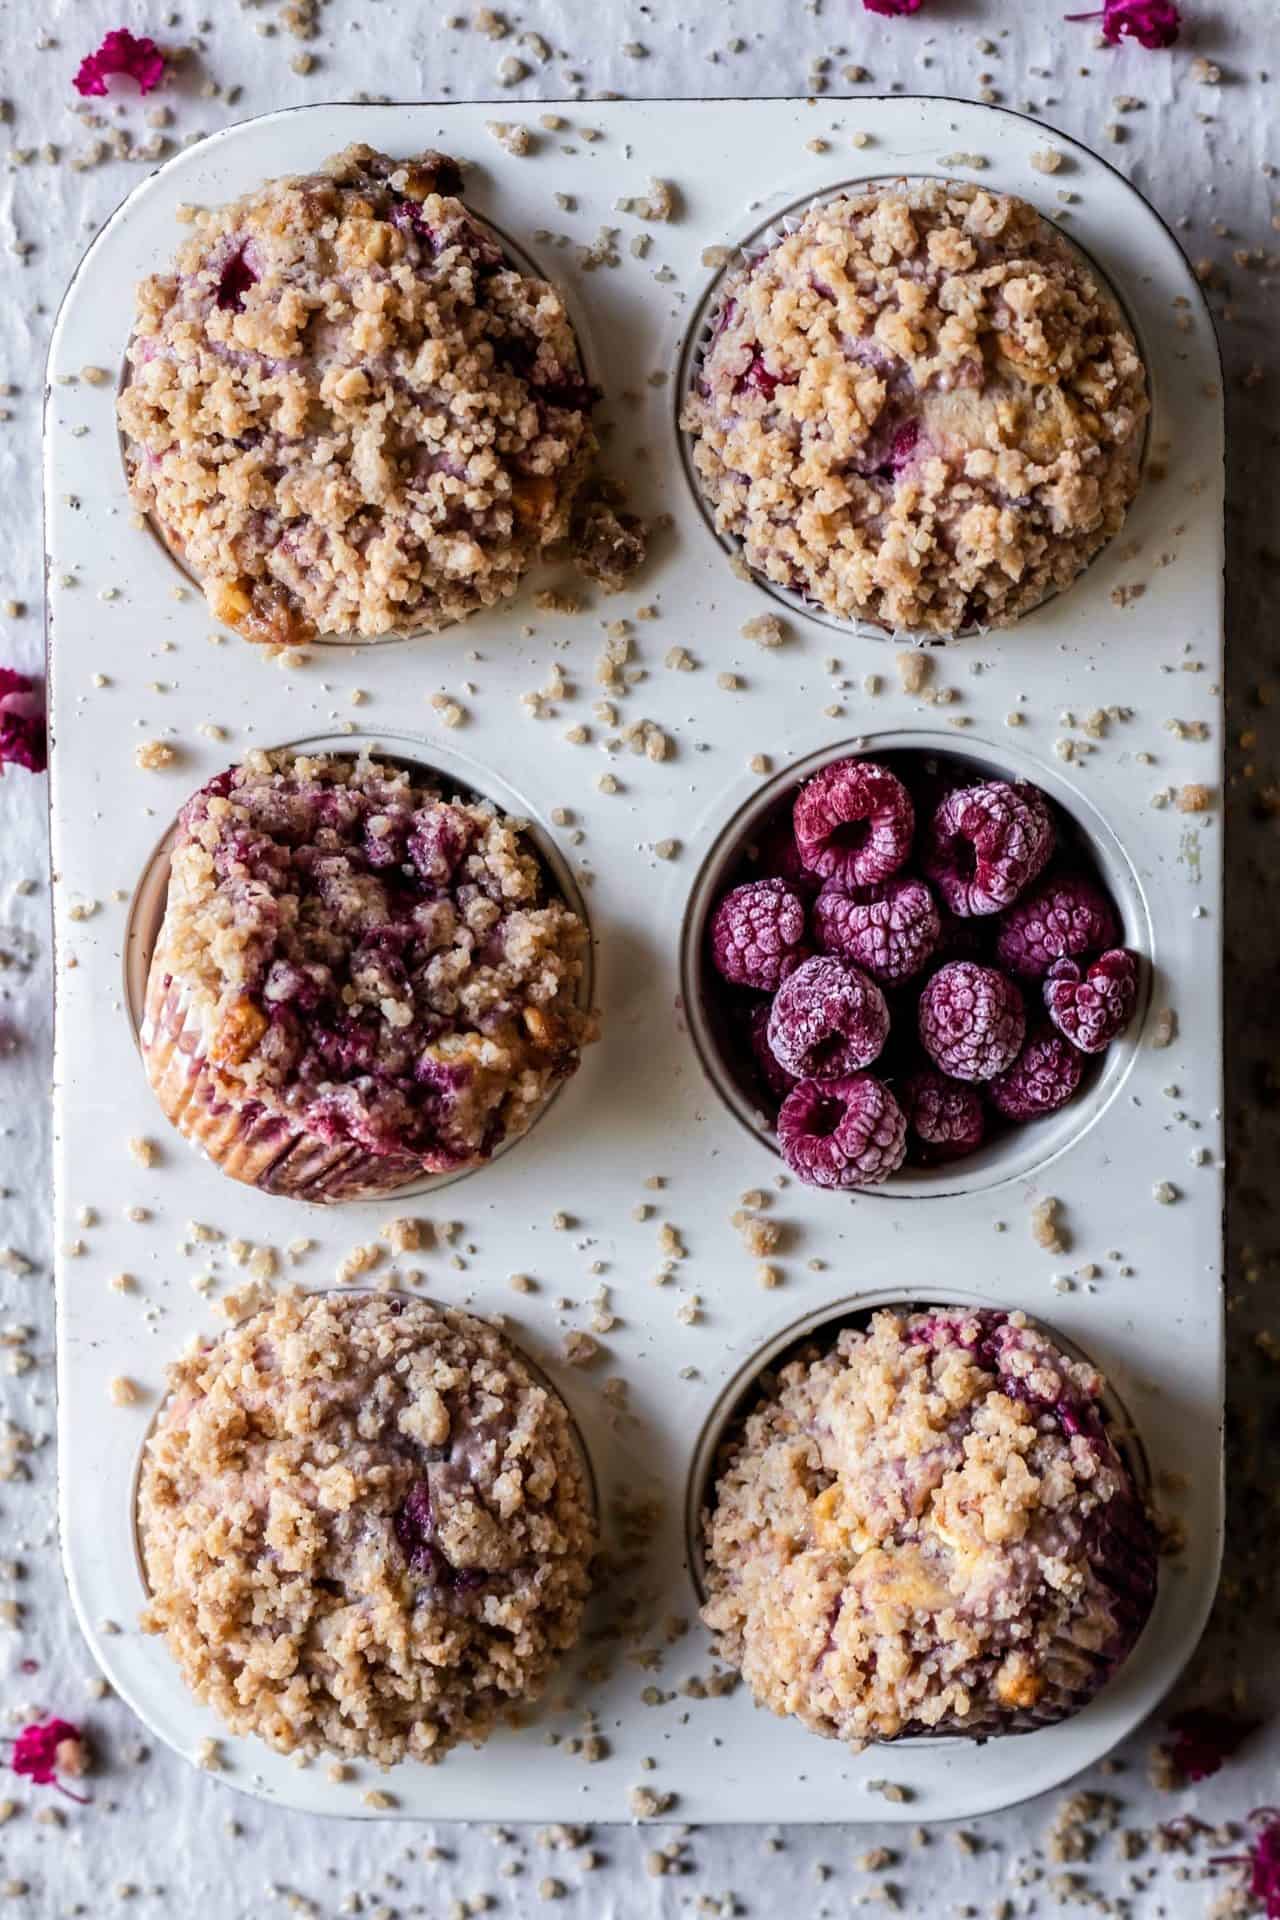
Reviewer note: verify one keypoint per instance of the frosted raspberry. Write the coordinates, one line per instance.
(854, 822)
(986, 843)
(827, 1020)
(772, 1072)
(1091, 1010)
(1062, 919)
(891, 933)
(757, 934)
(1043, 1078)
(842, 1133)
(972, 1021)
(946, 1116)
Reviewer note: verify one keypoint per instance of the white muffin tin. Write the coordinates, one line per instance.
(641, 1105)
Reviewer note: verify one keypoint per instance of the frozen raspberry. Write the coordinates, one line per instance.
(854, 822)
(842, 1133)
(971, 1021)
(945, 1115)
(757, 934)
(1062, 919)
(1092, 1009)
(891, 933)
(986, 843)
(827, 1019)
(775, 1076)
(1043, 1078)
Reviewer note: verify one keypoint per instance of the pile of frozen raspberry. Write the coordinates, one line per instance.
(915, 959)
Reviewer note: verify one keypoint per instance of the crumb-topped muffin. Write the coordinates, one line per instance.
(347, 411)
(357, 980)
(919, 409)
(366, 1526)
(928, 1529)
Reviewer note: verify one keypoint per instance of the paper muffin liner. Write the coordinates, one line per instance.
(246, 1138)
(703, 333)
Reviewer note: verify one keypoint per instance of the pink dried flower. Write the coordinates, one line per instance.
(1152, 23)
(22, 735)
(1203, 1738)
(1262, 1860)
(121, 52)
(44, 1748)
(892, 9)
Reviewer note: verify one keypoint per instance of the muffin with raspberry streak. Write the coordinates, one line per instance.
(367, 1526)
(928, 1529)
(920, 409)
(359, 980)
(348, 412)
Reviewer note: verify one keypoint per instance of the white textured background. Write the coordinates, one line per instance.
(159, 1837)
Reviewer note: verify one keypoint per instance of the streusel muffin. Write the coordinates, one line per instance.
(366, 1526)
(928, 1529)
(358, 980)
(919, 409)
(347, 411)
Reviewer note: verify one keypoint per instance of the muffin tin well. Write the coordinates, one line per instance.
(455, 775)
(577, 1207)
(816, 1332)
(752, 246)
(1013, 1153)
(515, 256)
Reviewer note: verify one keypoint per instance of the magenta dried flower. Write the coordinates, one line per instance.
(1092, 1008)
(945, 1115)
(22, 724)
(1203, 1739)
(828, 1019)
(842, 1133)
(986, 843)
(893, 9)
(1262, 1860)
(1154, 24)
(121, 52)
(757, 934)
(853, 823)
(972, 1021)
(46, 1748)
(891, 932)
(1061, 919)
(1043, 1078)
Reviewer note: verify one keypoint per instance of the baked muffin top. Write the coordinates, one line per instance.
(377, 962)
(348, 411)
(366, 1526)
(928, 1529)
(919, 408)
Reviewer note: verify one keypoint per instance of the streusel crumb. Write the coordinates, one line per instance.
(919, 409)
(358, 980)
(367, 1528)
(928, 1528)
(348, 412)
